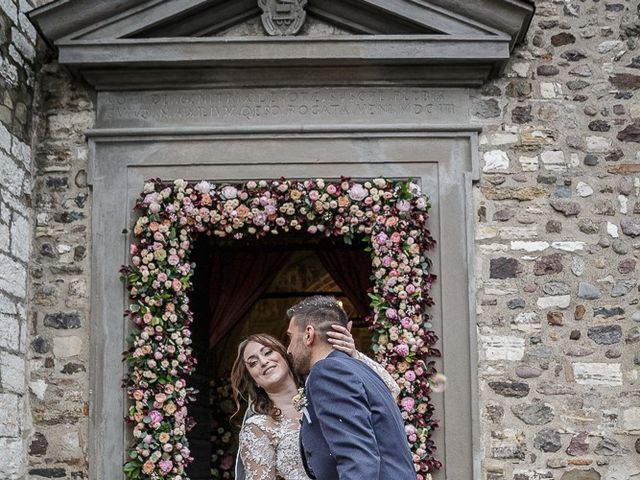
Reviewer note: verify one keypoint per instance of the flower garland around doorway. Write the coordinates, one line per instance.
(389, 216)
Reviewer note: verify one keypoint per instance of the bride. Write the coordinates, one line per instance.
(262, 375)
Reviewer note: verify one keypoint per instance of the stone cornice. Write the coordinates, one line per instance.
(116, 45)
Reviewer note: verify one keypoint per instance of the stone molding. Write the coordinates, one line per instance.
(148, 41)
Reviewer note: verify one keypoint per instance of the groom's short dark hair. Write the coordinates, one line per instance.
(319, 311)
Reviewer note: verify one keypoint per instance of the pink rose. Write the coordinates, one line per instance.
(407, 403)
(381, 238)
(402, 350)
(410, 375)
(357, 192)
(155, 416)
(403, 205)
(229, 192)
(173, 260)
(406, 322)
(165, 466)
(391, 313)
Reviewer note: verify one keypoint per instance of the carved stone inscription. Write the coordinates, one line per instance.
(233, 107)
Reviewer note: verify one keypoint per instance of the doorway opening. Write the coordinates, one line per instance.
(242, 288)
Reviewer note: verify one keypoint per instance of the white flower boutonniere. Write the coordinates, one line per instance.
(300, 403)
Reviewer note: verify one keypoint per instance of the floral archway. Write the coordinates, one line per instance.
(389, 216)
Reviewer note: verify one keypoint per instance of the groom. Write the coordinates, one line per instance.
(352, 429)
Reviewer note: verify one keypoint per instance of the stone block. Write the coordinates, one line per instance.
(22, 152)
(512, 233)
(5, 137)
(13, 458)
(530, 246)
(66, 444)
(5, 238)
(9, 72)
(495, 160)
(607, 374)
(24, 46)
(499, 347)
(13, 276)
(13, 368)
(11, 175)
(9, 332)
(9, 415)
(596, 144)
(10, 9)
(7, 305)
(20, 237)
(554, 160)
(559, 301)
(67, 346)
(38, 388)
(536, 413)
(25, 24)
(631, 419)
(529, 164)
(528, 322)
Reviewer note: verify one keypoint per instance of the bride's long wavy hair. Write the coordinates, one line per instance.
(245, 388)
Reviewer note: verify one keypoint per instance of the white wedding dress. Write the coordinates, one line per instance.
(269, 447)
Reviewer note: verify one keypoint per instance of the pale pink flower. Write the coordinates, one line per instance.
(402, 349)
(357, 192)
(407, 403)
(165, 466)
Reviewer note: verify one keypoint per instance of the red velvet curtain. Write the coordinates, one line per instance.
(238, 279)
(351, 270)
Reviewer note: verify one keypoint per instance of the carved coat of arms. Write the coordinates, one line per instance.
(283, 17)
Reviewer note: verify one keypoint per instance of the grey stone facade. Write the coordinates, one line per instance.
(557, 227)
(557, 247)
(17, 54)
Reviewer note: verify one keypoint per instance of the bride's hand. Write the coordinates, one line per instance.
(341, 339)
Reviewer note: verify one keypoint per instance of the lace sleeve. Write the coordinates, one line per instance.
(258, 453)
(382, 373)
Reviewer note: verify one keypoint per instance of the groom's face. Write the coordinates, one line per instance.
(298, 349)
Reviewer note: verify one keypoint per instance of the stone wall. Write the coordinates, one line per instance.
(59, 336)
(17, 53)
(557, 225)
(557, 247)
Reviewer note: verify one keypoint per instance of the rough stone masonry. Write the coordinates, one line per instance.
(557, 246)
(17, 81)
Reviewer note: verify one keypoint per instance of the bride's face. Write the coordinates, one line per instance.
(265, 365)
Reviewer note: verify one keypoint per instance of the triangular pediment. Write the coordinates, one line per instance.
(120, 19)
(206, 34)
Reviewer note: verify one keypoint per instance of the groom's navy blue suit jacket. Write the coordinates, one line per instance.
(356, 431)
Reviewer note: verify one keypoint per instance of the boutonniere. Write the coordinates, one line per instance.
(300, 403)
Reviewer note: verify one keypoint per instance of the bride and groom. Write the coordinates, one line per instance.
(344, 423)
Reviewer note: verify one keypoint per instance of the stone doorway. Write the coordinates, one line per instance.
(191, 90)
(214, 439)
